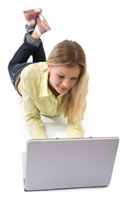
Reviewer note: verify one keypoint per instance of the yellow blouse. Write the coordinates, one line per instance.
(37, 100)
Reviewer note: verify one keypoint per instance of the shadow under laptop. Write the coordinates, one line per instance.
(55, 126)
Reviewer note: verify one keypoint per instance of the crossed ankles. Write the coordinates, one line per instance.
(36, 22)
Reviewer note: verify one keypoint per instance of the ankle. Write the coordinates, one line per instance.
(35, 35)
(41, 26)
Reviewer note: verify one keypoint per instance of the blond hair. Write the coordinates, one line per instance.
(70, 53)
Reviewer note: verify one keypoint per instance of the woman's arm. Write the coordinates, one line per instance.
(33, 119)
(34, 122)
(75, 130)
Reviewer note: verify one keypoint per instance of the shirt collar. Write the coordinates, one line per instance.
(43, 89)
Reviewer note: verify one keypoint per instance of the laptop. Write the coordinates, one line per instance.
(68, 163)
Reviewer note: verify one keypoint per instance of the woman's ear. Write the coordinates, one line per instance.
(49, 67)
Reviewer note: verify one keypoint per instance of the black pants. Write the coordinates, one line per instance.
(30, 47)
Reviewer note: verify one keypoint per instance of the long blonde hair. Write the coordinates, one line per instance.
(70, 53)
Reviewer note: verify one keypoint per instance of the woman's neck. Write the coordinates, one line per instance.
(52, 89)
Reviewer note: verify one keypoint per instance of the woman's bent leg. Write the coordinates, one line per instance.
(31, 47)
(39, 54)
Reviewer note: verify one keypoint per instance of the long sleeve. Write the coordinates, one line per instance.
(34, 122)
(33, 119)
(74, 130)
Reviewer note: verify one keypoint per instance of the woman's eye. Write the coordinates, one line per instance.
(74, 78)
(61, 76)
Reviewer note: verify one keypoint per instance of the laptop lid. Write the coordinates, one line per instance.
(69, 163)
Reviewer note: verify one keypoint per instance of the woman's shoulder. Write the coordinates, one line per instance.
(34, 70)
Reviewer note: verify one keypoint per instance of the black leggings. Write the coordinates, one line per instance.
(30, 47)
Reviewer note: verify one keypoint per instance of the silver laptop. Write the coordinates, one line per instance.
(68, 163)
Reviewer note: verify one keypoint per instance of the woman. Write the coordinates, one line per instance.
(53, 87)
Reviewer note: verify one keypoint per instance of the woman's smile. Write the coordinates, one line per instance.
(62, 89)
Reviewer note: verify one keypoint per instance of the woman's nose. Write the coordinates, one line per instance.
(66, 83)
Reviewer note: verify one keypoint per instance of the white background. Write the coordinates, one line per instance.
(100, 27)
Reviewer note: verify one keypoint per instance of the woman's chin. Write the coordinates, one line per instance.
(62, 90)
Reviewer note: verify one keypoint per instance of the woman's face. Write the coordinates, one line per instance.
(63, 78)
